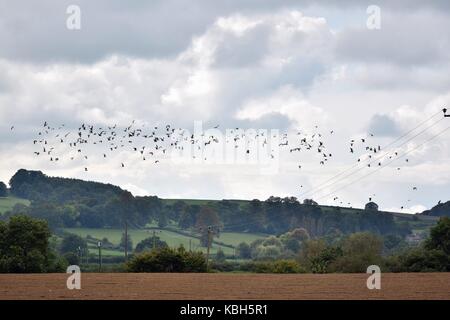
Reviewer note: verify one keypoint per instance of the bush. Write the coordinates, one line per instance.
(225, 266)
(279, 266)
(244, 251)
(267, 252)
(286, 266)
(73, 243)
(148, 243)
(24, 245)
(168, 260)
(220, 256)
(72, 258)
(359, 251)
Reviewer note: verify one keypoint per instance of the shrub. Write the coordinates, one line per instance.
(168, 260)
(279, 266)
(220, 256)
(244, 251)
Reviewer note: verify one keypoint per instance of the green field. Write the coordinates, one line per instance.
(8, 203)
(173, 239)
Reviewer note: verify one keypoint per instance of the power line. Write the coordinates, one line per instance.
(326, 184)
(379, 168)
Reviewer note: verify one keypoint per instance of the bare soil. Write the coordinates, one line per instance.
(225, 286)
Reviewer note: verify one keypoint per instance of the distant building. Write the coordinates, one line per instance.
(371, 206)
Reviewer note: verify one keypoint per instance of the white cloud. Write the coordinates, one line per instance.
(274, 67)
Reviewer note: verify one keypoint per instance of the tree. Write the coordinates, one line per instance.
(162, 220)
(220, 256)
(24, 245)
(73, 243)
(72, 258)
(187, 220)
(360, 250)
(207, 223)
(149, 243)
(3, 190)
(123, 242)
(292, 240)
(244, 251)
(317, 256)
(432, 256)
(440, 236)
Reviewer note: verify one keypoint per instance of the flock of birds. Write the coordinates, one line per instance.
(154, 143)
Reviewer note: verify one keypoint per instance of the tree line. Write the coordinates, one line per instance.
(76, 203)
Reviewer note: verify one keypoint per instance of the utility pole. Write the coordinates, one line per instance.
(154, 239)
(190, 245)
(99, 244)
(209, 246)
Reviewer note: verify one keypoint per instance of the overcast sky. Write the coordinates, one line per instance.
(285, 65)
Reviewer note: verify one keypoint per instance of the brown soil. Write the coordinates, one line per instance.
(225, 286)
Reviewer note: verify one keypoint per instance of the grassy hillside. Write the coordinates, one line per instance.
(8, 203)
(173, 239)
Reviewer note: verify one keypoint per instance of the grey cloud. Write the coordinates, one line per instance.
(404, 39)
(37, 32)
(242, 51)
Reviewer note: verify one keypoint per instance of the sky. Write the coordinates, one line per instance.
(282, 65)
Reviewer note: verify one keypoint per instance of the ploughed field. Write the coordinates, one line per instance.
(225, 286)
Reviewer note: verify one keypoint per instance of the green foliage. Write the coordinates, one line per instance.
(286, 266)
(359, 250)
(316, 255)
(24, 245)
(244, 251)
(220, 256)
(432, 256)
(126, 242)
(419, 260)
(76, 203)
(264, 252)
(293, 240)
(207, 223)
(72, 243)
(150, 243)
(72, 258)
(168, 260)
(440, 236)
(354, 254)
(441, 209)
(3, 189)
(278, 266)
(393, 243)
